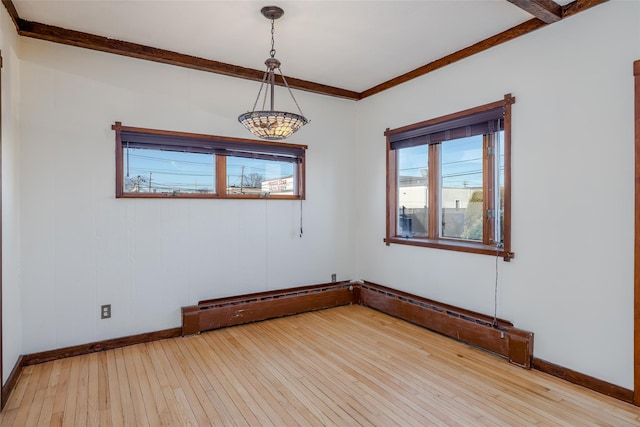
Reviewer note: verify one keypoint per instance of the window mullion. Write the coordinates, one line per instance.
(221, 175)
(434, 185)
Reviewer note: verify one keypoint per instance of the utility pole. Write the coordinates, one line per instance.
(150, 181)
(242, 179)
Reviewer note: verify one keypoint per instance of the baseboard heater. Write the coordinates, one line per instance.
(496, 335)
(230, 311)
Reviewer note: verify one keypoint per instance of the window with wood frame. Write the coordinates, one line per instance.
(449, 181)
(154, 163)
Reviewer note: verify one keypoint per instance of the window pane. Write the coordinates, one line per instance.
(260, 176)
(413, 191)
(461, 192)
(164, 171)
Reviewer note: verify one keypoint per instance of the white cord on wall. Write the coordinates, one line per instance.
(300, 217)
(495, 289)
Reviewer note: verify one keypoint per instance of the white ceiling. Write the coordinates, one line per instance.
(352, 45)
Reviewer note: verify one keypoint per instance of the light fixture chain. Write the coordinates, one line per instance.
(273, 49)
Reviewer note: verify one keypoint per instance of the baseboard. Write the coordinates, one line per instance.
(230, 311)
(583, 380)
(11, 381)
(500, 337)
(496, 335)
(77, 350)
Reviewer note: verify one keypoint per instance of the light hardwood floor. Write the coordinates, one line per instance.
(344, 366)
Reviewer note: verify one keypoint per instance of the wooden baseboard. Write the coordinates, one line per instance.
(11, 381)
(499, 336)
(496, 335)
(237, 310)
(583, 380)
(77, 350)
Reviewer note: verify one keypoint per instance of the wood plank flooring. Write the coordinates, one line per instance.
(344, 366)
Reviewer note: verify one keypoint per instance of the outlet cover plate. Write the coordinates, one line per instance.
(105, 311)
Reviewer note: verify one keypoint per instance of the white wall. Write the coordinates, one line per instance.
(82, 248)
(571, 282)
(11, 306)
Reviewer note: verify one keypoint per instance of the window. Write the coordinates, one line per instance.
(158, 164)
(448, 181)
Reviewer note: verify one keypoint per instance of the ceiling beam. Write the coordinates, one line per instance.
(134, 50)
(578, 6)
(547, 11)
(103, 44)
(505, 36)
(13, 13)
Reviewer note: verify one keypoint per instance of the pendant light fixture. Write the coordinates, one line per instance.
(272, 124)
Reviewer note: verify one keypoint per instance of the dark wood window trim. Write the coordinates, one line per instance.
(3, 398)
(442, 128)
(220, 147)
(636, 269)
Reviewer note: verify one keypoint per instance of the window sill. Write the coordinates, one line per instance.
(204, 196)
(452, 245)
(166, 196)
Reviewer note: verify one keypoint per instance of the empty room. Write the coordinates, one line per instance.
(320, 212)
